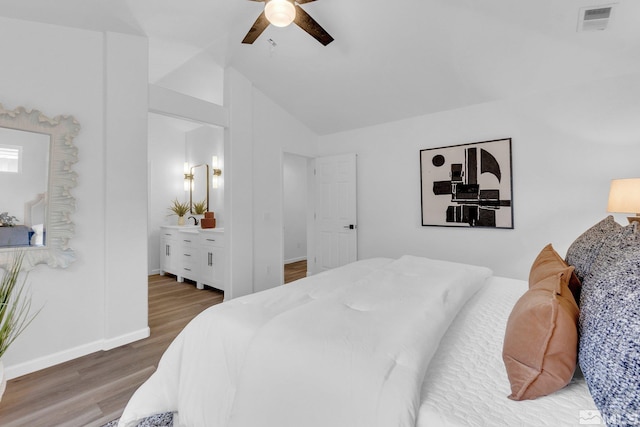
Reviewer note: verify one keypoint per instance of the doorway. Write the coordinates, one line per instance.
(294, 218)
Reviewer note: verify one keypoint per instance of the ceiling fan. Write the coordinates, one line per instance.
(282, 13)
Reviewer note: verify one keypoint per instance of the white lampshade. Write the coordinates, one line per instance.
(280, 12)
(624, 196)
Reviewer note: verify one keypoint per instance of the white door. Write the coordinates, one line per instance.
(336, 227)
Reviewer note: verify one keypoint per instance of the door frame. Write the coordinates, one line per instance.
(310, 208)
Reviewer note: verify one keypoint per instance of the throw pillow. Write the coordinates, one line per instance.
(541, 339)
(550, 263)
(610, 329)
(584, 250)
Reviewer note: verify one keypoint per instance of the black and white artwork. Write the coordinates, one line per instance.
(467, 185)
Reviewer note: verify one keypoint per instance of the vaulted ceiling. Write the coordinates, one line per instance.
(389, 60)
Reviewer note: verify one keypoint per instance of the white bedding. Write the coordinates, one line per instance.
(349, 347)
(309, 355)
(466, 383)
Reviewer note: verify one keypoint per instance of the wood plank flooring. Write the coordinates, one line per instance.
(94, 389)
(295, 270)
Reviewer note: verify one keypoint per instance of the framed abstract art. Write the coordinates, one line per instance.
(467, 185)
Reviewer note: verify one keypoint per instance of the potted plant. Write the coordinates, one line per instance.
(180, 209)
(15, 309)
(199, 208)
(7, 220)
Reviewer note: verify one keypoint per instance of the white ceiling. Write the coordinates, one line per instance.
(389, 60)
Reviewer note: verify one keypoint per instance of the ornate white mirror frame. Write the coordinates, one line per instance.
(60, 204)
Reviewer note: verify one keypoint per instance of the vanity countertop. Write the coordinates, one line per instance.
(212, 230)
(193, 229)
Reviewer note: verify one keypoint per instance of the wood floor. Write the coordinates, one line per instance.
(295, 270)
(94, 389)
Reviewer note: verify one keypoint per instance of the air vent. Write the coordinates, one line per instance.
(594, 18)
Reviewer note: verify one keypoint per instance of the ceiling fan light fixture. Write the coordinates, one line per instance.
(280, 12)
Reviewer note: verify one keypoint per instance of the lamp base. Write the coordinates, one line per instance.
(633, 219)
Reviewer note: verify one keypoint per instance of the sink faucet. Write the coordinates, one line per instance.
(195, 220)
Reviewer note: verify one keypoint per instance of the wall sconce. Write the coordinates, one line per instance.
(188, 177)
(216, 172)
(624, 197)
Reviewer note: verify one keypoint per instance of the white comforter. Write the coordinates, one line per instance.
(348, 347)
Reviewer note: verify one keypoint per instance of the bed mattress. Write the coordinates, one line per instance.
(466, 383)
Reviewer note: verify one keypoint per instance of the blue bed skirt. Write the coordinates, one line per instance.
(18, 235)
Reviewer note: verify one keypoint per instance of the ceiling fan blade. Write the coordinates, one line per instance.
(303, 1)
(258, 27)
(307, 23)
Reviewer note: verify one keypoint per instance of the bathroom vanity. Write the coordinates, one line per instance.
(193, 253)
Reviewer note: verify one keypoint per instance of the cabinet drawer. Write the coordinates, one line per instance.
(189, 271)
(189, 257)
(189, 266)
(216, 241)
(189, 242)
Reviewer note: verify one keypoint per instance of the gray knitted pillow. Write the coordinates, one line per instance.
(584, 250)
(609, 349)
(160, 420)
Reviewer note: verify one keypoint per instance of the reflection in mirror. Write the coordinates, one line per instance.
(24, 167)
(36, 156)
(199, 186)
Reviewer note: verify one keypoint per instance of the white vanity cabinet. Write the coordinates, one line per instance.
(170, 252)
(212, 258)
(193, 253)
(189, 254)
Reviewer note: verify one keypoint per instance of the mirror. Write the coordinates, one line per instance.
(36, 157)
(199, 186)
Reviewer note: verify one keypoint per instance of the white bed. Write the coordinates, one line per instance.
(466, 383)
(381, 342)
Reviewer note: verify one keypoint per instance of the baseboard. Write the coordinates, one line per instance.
(292, 260)
(154, 271)
(126, 339)
(14, 371)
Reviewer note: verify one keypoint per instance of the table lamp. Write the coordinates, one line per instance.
(624, 197)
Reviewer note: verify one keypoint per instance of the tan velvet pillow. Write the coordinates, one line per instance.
(549, 263)
(541, 339)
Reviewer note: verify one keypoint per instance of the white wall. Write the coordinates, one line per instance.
(101, 299)
(259, 132)
(238, 197)
(275, 132)
(199, 77)
(295, 207)
(166, 144)
(125, 187)
(567, 146)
